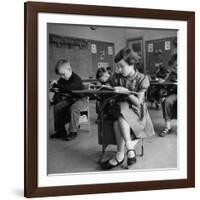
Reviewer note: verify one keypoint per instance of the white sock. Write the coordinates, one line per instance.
(131, 145)
(119, 156)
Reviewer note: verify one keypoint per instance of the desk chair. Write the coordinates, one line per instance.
(85, 112)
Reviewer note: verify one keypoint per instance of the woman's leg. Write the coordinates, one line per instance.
(120, 144)
(125, 131)
(122, 134)
(169, 110)
(119, 157)
(119, 139)
(124, 128)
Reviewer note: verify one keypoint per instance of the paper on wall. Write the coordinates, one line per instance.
(167, 45)
(150, 47)
(93, 48)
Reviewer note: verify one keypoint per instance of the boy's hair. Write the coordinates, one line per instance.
(100, 72)
(129, 56)
(59, 64)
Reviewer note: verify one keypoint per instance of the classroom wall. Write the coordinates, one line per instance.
(112, 35)
(118, 36)
(151, 34)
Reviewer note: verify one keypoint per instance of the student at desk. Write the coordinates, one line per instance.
(67, 109)
(132, 115)
(169, 104)
(102, 75)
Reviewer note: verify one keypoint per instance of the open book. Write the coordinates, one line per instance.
(106, 87)
(112, 89)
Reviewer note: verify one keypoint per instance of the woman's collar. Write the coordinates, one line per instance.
(133, 75)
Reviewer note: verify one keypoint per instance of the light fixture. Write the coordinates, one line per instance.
(93, 28)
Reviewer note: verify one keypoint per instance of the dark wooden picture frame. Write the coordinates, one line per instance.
(31, 95)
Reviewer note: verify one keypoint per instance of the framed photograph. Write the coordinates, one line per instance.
(72, 143)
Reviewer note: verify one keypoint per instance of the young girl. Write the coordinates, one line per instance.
(133, 116)
(102, 75)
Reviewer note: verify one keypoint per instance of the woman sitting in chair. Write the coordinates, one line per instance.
(130, 113)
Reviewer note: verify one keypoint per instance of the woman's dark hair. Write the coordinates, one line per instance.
(59, 64)
(100, 73)
(128, 55)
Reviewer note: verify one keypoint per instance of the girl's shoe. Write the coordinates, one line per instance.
(107, 165)
(165, 132)
(132, 160)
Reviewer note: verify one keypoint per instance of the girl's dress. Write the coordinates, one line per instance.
(137, 117)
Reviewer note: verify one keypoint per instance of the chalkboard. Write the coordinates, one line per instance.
(85, 56)
(159, 52)
(103, 56)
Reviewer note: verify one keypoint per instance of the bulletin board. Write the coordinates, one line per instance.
(102, 55)
(159, 51)
(85, 56)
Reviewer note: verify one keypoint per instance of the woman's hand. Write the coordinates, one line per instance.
(121, 89)
(137, 100)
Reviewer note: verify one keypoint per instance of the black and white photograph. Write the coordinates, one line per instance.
(112, 99)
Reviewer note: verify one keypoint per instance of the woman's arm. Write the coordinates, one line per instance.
(137, 100)
(142, 88)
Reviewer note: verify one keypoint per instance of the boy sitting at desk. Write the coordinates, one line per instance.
(67, 109)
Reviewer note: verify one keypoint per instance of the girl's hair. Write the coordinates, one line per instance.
(59, 64)
(109, 70)
(100, 72)
(128, 55)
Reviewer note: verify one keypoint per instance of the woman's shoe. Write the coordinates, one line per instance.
(107, 165)
(165, 132)
(132, 160)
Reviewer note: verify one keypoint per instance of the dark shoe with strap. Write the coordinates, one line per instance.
(71, 136)
(58, 134)
(165, 132)
(107, 165)
(132, 160)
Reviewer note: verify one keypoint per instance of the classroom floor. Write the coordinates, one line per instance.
(82, 153)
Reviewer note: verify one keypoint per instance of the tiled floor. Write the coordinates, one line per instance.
(82, 154)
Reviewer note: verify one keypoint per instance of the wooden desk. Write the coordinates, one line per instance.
(165, 83)
(158, 90)
(100, 92)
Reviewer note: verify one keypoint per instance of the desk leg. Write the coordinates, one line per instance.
(142, 148)
(104, 145)
(102, 136)
(102, 154)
